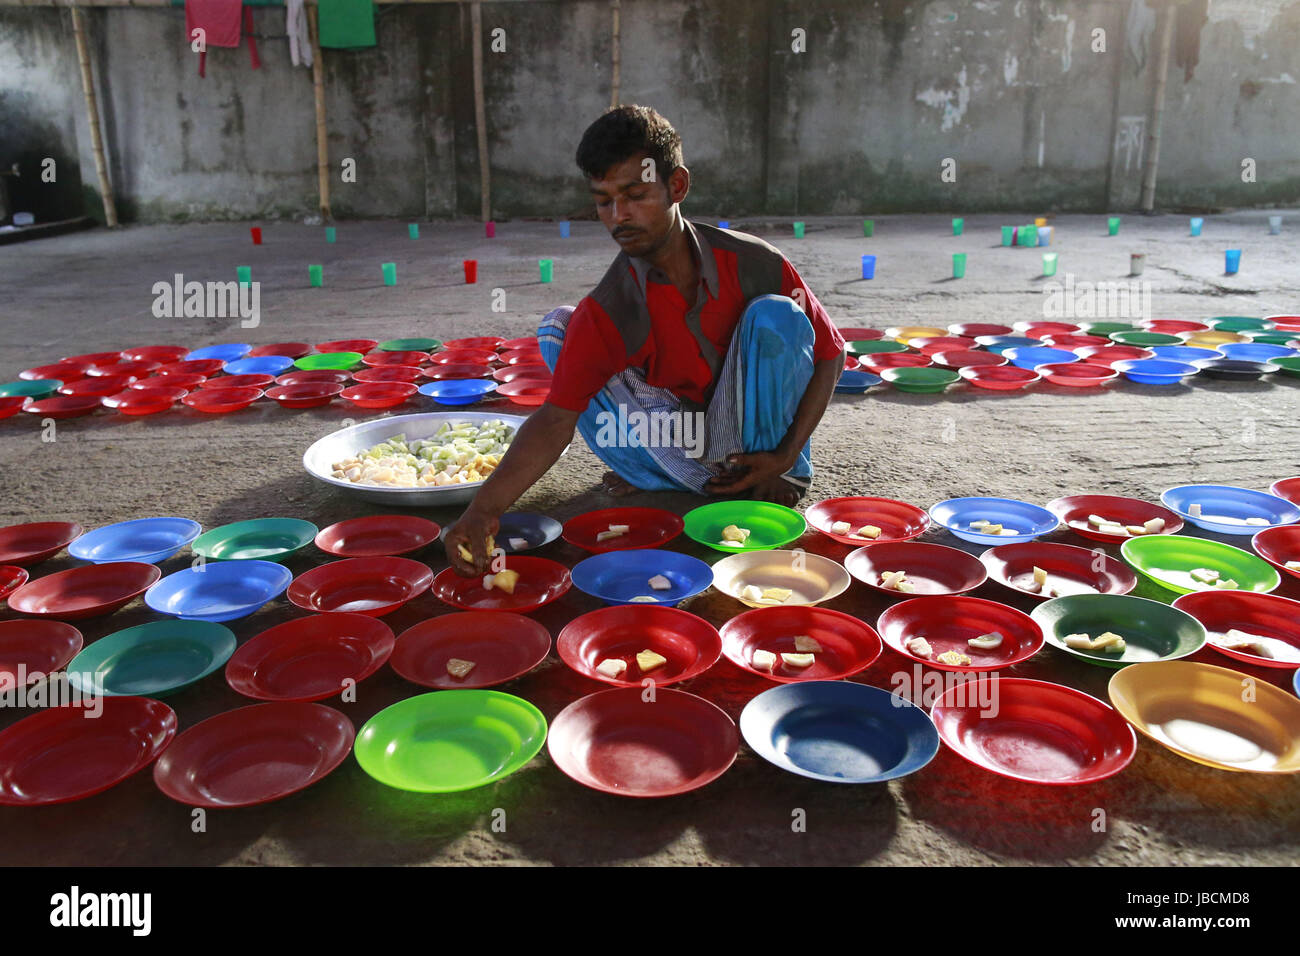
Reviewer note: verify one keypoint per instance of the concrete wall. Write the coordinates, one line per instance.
(1012, 90)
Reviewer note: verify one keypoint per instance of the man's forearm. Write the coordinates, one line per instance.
(812, 406)
(535, 448)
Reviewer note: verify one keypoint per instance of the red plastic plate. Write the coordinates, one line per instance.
(1074, 510)
(93, 358)
(512, 372)
(999, 378)
(185, 380)
(489, 342)
(522, 357)
(502, 646)
(65, 372)
(1173, 326)
(647, 528)
(11, 405)
(614, 742)
(293, 350)
(144, 401)
(310, 658)
(370, 586)
(455, 370)
(380, 359)
(28, 544)
(620, 632)
(63, 406)
(525, 342)
(976, 329)
(1040, 733)
(931, 568)
(249, 380)
(386, 373)
(207, 367)
(377, 536)
(897, 520)
(942, 343)
(1069, 341)
(1262, 615)
(218, 401)
(1277, 546)
(87, 591)
(138, 369)
(1288, 488)
(1110, 354)
(525, 391)
(307, 395)
(1077, 374)
(12, 578)
(862, 335)
(965, 358)
(463, 357)
(1070, 570)
(97, 387)
(876, 363)
(1038, 329)
(348, 345)
(58, 755)
(378, 394)
(947, 623)
(848, 644)
(540, 582)
(253, 755)
(29, 650)
(306, 377)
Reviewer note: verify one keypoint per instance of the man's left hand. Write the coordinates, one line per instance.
(748, 470)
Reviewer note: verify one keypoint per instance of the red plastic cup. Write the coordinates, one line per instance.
(257, 235)
(491, 228)
(471, 265)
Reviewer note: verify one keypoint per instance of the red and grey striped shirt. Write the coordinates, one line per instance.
(636, 318)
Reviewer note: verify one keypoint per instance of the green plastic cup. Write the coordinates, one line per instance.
(245, 274)
(259, 539)
(1008, 234)
(957, 226)
(1049, 263)
(390, 273)
(868, 227)
(798, 230)
(959, 265)
(316, 275)
(547, 269)
(1112, 225)
(334, 361)
(1027, 236)
(770, 525)
(450, 740)
(330, 234)
(413, 230)
(1153, 631)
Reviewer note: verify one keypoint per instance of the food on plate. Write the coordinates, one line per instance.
(751, 592)
(956, 658)
(1226, 584)
(1109, 642)
(1257, 521)
(612, 667)
(986, 642)
(504, 580)
(841, 527)
(733, 536)
(798, 660)
(660, 583)
(518, 544)
(648, 660)
(644, 599)
(458, 668)
(457, 453)
(1194, 510)
(1204, 575)
(869, 531)
(919, 646)
(464, 552)
(804, 643)
(763, 661)
(774, 595)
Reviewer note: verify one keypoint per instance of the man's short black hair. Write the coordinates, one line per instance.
(627, 131)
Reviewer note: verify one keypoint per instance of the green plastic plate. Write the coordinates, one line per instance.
(409, 345)
(450, 740)
(1153, 631)
(907, 379)
(151, 660)
(1144, 339)
(1238, 323)
(1106, 328)
(770, 525)
(1168, 559)
(875, 346)
(334, 361)
(261, 539)
(1288, 366)
(35, 388)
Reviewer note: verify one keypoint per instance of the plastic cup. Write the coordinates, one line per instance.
(1040, 222)
(959, 265)
(1137, 261)
(1049, 263)
(1045, 235)
(244, 274)
(471, 271)
(1112, 225)
(316, 275)
(390, 273)
(257, 235)
(868, 227)
(564, 229)
(330, 234)
(1274, 225)
(957, 226)
(413, 230)
(1008, 235)
(724, 224)
(1232, 261)
(491, 229)
(1027, 236)
(868, 267)
(547, 269)
(1196, 224)
(798, 230)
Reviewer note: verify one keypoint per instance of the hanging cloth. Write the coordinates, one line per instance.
(220, 22)
(347, 24)
(295, 24)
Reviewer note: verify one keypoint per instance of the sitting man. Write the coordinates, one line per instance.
(708, 330)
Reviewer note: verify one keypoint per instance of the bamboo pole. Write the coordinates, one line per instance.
(480, 114)
(92, 117)
(616, 77)
(1148, 200)
(322, 134)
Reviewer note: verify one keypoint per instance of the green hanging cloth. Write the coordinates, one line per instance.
(347, 24)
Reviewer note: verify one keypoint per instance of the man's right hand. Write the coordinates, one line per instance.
(472, 532)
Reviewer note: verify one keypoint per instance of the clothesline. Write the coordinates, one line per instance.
(248, 3)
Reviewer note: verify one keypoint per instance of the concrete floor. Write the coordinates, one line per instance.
(92, 291)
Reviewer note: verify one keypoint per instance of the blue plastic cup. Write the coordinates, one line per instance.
(868, 267)
(1232, 261)
(1197, 223)
(724, 224)
(413, 230)
(330, 234)
(564, 229)
(1044, 235)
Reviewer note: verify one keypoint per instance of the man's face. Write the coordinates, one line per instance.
(638, 214)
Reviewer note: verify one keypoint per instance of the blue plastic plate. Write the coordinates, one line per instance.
(262, 365)
(218, 590)
(229, 352)
(537, 530)
(1255, 351)
(1295, 683)
(1154, 371)
(1000, 343)
(148, 540)
(855, 382)
(839, 731)
(1225, 508)
(616, 577)
(1031, 521)
(1032, 357)
(1183, 353)
(152, 659)
(458, 391)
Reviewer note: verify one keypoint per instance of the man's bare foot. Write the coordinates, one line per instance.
(778, 490)
(615, 484)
